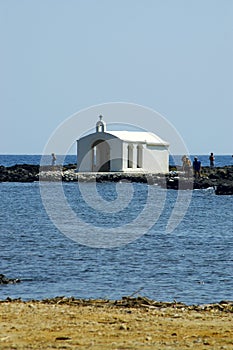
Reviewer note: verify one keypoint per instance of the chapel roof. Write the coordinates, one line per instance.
(139, 136)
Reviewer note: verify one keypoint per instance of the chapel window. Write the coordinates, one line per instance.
(130, 156)
(139, 156)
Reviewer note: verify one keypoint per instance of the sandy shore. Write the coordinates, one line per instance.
(73, 324)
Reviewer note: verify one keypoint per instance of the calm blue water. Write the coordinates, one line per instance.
(193, 264)
(9, 160)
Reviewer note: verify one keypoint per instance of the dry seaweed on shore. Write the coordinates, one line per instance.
(131, 302)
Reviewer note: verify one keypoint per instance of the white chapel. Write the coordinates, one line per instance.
(121, 151)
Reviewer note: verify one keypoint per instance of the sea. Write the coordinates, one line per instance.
(10, 160)
(192, 263)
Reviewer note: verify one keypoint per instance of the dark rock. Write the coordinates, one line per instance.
(214, 176)
(220, 179)
(19, 173)
(173, 183)
(70, 166)
(203, 183)
(224, 189)
(5, 280)
(62, 338)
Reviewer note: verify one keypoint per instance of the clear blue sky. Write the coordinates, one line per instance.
(60, 56)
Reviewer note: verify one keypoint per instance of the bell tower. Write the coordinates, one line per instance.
(100, 125)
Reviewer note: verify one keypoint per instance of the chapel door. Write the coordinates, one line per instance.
(100, 156)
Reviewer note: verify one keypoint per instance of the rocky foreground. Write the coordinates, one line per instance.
(129, 323)
(220, 178)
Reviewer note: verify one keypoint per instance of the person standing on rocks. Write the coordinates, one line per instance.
(53, 159)
(211, 159)
(187, 167)
(183, 159)
(197, 167)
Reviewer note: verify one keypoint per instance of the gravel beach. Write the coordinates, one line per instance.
(132, 323)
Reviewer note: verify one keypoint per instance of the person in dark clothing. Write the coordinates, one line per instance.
(197, 167)
(211, 158)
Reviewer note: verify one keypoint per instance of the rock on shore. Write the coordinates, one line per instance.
(220, 178)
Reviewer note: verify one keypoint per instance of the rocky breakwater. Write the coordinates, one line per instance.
(32, 173)
(222, 179)
(219, 178)
(19, 173)
(70, 175)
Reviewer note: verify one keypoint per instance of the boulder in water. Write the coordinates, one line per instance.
(5, 280)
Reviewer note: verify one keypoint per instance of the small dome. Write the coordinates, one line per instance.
(100, 125)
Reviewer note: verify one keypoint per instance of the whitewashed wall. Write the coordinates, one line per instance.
(155, 159)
